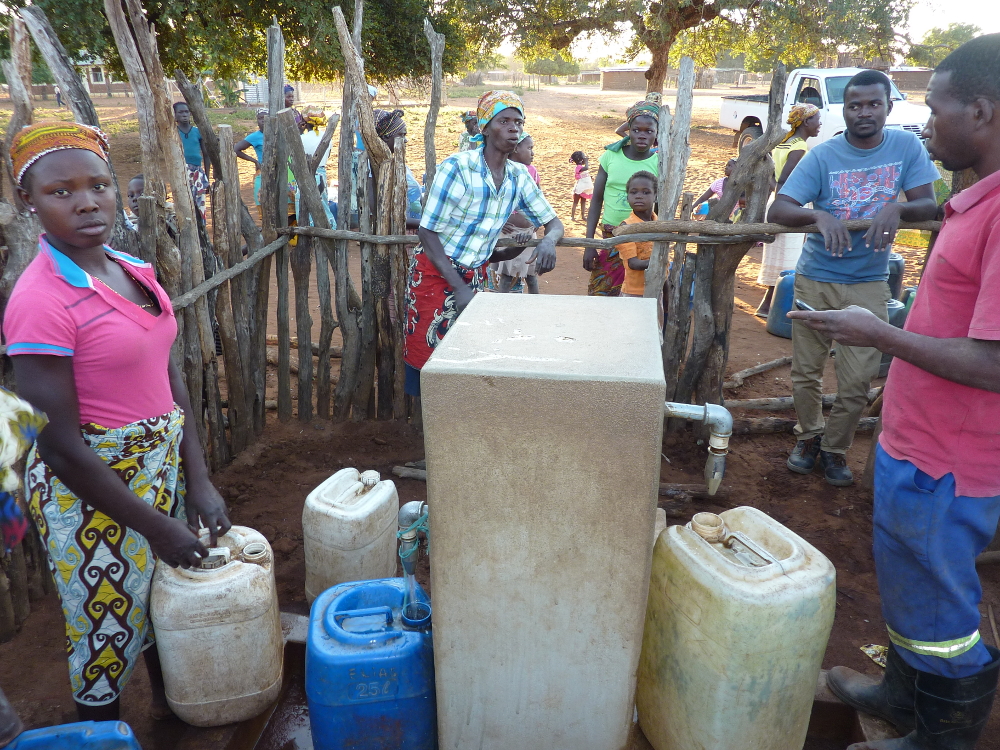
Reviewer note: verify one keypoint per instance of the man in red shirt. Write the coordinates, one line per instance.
(937, 474)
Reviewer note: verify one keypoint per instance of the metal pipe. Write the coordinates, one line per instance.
(408, 515)
(720, 424)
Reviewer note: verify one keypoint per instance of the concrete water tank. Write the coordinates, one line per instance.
(543, 418)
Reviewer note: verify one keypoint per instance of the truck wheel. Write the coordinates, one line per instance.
(750, 134)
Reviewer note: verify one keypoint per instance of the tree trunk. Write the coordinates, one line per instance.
(658, 67)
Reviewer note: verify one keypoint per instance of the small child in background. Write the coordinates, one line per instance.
(518, 224)
(715, 190)
(471, 122)
(583, 189)
(641, 193)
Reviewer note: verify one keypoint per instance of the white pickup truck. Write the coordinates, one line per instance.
(747, 115)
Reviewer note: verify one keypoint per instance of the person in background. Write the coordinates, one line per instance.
(256, 140)
(653, 97)
(390, 125)
(290, 102)
(717, 188)
(194, 155)
(583, 186)
(59, 101)
(620, 160)
(856, 175)
(313, 119)
(465, 142)
(641, 190)
(117, 479)
(472, 196)
(783, 253)
(520, 269)
(937, 490)
(136, 187)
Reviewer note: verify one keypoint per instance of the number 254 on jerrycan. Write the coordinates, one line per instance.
(737, 620)
(370, 669)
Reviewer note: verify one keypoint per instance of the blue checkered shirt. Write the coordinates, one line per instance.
(467, 211)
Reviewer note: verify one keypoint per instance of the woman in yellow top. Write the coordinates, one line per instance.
(783, 253)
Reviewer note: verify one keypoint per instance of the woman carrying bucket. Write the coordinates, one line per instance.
(114, 481)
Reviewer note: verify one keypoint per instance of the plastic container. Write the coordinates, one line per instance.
(781, 304)
(908, 297)
(897, 317)
(349, 530)
(369, 670)
(897, 267)
(734, 636)
(218, 632)
(84, 735)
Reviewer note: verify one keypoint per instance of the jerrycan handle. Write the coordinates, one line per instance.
(334, 626)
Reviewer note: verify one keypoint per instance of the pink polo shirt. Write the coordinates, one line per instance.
(937, 425)
(120, 351)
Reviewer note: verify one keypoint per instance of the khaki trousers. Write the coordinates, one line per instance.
(856, 366)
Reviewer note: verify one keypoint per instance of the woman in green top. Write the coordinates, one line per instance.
(783, 253)
(619, 162)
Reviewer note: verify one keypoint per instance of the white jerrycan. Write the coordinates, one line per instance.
(737, 621)
(349, 530)
(218, 631)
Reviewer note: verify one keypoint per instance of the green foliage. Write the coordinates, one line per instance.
(229, 39)
(938, 43)
(797, 33)
(766, 31)
(553, 64)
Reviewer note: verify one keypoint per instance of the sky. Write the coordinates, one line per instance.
(925, 15)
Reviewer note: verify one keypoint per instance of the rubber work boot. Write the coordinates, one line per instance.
(835, 469)
(950, 714)
(803, 458)
(890, 699)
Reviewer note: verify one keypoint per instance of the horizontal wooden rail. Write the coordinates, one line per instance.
(716, 228)
(412, 239)
(222, 277)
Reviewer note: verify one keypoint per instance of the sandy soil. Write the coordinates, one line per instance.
(266, 486)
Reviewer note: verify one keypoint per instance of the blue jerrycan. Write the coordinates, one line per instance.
(370, 669)
(781, 304)
(84, 735)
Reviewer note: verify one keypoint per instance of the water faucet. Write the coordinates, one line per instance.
(409, 514)
(720, 424)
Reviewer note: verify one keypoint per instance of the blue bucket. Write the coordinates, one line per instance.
(83, 735)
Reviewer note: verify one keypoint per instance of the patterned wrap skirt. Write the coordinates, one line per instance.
(609, 272)
(430, 305)
(102, 570)
(199, 187)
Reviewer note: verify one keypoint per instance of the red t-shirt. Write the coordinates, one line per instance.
(120, 351)
(938, 425)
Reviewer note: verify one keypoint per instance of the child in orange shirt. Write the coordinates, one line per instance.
(641, 192)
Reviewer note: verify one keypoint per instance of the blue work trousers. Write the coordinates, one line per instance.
(926, 540)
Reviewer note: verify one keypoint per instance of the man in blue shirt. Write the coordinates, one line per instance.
(194, 155)
(855, 175)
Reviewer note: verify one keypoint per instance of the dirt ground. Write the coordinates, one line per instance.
(267, 485)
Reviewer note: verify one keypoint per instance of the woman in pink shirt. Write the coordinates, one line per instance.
(114, 481)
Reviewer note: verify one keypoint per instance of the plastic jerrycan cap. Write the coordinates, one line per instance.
(709, 527)
(368, 480)
(217, 557)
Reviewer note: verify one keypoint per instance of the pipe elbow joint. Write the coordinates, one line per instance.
(409, 513)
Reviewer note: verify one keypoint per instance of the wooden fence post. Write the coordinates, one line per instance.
(673, 168)
(436, 42)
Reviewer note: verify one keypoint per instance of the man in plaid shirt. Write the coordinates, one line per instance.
(472, 197)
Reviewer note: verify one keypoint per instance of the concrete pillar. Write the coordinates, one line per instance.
(543, 418)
